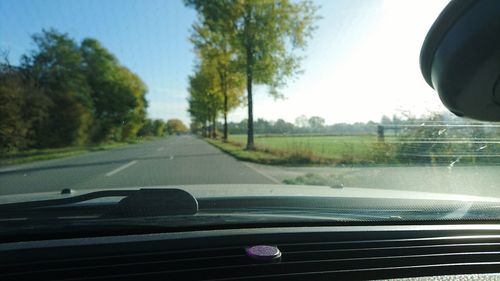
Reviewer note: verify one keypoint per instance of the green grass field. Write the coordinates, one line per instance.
(329, 147)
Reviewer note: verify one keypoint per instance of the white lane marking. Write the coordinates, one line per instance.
(161, 148)
(459, 213)
(171, 158)
(121, 168)
(262, 173)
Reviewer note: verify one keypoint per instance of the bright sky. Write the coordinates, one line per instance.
(361, 64)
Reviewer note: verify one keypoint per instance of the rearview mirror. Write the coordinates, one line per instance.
(460, 58)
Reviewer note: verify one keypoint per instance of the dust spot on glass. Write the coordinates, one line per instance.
(337, 185)
(482, 147)
(452, 163)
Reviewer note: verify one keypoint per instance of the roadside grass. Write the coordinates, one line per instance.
(32, 155)
(315, 179)
(303, 150)
(238, 151)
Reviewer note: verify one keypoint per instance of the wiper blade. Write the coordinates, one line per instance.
(136, 203)
(65, 201)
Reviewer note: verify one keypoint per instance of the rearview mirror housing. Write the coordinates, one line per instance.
(460, 58)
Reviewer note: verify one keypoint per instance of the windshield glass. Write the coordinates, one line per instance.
(232, 99)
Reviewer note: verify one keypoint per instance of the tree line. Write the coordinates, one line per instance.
(240, 44)
(66, 93)
(436, 125)
(302, 125)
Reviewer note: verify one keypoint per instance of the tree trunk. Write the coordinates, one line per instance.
(225, 121)
(249, 72)
(214, 132)
(225, 118)
(224, 91)
(250, 142)
(206, 130)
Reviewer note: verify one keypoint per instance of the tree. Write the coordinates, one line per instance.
(214, 49)
(68, 94)
(283, 127)
(23, 107)
(199, 115)
(158, 127)
(302, 121)
(316, 122)
(262, 126)
(146, 128)
(385, 120)
(264, 35)
(152, 127)
(205, 100)
(55, 66)
(133, 120)
(14, 127)
(175, 126)
(112, 95)
(195, 127)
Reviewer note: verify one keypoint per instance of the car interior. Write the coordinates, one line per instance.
(459, 60)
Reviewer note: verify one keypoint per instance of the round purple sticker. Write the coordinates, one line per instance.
(263, 252)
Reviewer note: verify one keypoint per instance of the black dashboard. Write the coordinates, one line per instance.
(426, 251)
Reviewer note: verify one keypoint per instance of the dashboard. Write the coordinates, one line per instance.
(425, 251)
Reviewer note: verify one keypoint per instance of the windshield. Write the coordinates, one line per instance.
(232, 99)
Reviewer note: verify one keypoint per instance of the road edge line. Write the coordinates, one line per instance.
(121, 168)
(271, 178)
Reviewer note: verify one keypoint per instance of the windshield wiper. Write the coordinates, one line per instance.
(136, 203)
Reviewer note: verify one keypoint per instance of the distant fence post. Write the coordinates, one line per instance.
(380, 133)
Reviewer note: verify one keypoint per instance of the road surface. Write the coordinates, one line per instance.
(171, 161)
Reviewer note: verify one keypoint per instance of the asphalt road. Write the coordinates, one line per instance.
(172, 161)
